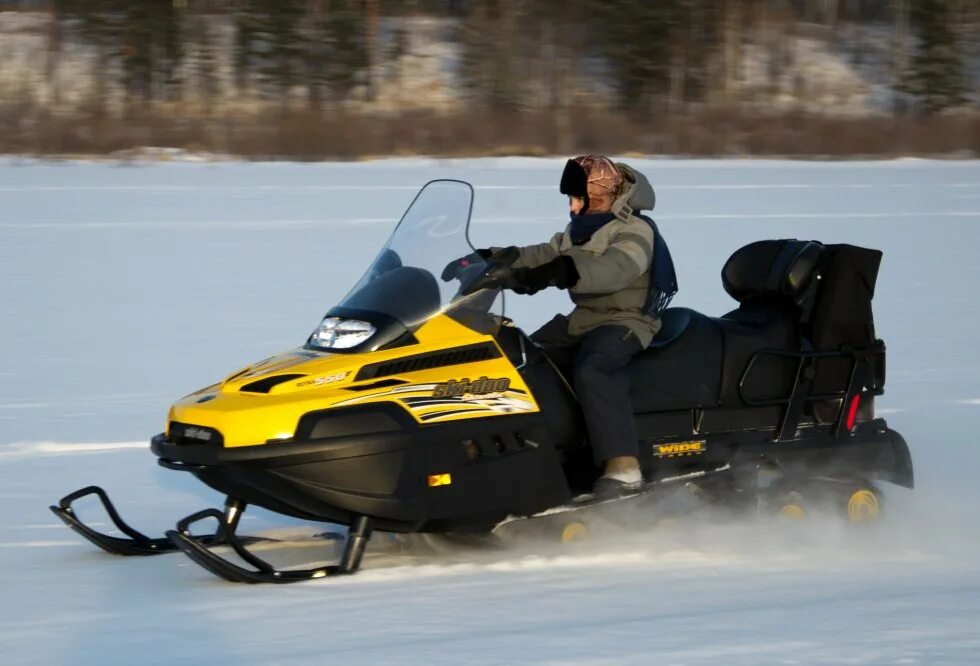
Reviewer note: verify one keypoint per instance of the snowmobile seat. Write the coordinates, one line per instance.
(746, 331)
(673, 324)
(681, 369)
(774, 282)
(696, 361)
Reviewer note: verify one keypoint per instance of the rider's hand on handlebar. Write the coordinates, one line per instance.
(456, 266)
(560, 272)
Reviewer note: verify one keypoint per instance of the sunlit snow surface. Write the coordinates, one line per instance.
(125, 287)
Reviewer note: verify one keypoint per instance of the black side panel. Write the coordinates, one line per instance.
(515, 345)
(901, 461)
(745, 418)
(683, 373)
(550, 389)
(872, 451)
(662, 425)
(333, 423)
(560, 412)
(514, 473)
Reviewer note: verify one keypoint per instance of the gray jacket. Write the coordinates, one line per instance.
(613, 266)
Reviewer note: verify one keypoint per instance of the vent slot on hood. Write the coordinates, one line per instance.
(384, 383)
(483, 351)
(265, 384)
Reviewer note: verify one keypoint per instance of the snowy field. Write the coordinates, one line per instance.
(125, 287)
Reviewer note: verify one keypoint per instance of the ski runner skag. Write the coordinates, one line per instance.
(416, 406)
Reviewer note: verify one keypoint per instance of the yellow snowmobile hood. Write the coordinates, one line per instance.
(264, 402)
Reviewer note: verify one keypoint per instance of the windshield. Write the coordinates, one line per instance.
(408, 280)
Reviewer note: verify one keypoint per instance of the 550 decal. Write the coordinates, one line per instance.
(329, 379)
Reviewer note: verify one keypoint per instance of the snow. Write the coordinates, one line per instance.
(125, 286)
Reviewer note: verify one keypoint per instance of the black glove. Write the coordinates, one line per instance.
(560, 272)
(456, 266)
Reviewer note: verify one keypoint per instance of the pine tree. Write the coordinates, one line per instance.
(936, 74)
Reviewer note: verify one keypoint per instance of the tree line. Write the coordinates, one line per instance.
(310, 79)
(647, 58)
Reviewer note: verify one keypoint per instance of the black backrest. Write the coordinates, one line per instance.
(773, 270)
(794, 293)
(774, 282)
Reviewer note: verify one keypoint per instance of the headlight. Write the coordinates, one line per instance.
(335, 333)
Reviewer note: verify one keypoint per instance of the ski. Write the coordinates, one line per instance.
(137, 544)
(262, 571)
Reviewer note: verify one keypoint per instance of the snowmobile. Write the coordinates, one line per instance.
(416, 406)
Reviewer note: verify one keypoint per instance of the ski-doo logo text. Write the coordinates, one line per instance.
(197, 433)
(481, 386)
(678, 449)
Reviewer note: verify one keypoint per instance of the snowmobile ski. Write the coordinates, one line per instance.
(135, 543)
(263, 572)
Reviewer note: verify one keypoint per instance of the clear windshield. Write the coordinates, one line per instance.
(409, 280)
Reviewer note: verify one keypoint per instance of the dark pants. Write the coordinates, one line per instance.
(597, 361)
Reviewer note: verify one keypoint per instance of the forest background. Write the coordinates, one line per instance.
(315, 79)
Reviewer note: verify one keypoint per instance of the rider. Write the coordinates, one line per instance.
(603, 258)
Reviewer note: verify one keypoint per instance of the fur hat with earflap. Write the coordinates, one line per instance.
(594, 178)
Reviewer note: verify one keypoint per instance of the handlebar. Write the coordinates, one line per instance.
(493, 277)
(496, 274)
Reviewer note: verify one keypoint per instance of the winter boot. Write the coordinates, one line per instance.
(622, 477)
